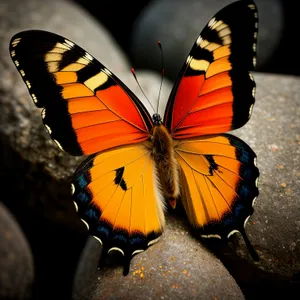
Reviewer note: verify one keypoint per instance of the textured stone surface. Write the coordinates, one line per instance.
(16, 261)
(177, 267)
(177, 25)
(33, 171)
(274, 134)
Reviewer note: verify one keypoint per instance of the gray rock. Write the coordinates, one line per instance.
(86, 274)
(36, 174)
(177, 267)
(274, 134)
(16, 261)
(178, 23)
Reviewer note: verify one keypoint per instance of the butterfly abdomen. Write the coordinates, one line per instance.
(166, 163)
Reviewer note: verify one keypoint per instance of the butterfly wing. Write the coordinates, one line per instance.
(219, 178)
(85, 107)
(117, 197)
(214, 92)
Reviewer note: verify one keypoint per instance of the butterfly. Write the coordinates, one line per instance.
(138, 164)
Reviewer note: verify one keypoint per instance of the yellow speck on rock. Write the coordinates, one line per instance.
(283, 184)
(139, 272)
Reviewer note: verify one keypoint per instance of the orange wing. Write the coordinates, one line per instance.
(214, 92)
(117, 196)
(86, 108)
(219, 181)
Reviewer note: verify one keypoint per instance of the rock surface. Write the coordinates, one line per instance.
(16, 261)
(177, 267)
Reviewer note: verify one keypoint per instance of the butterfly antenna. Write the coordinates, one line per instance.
(134, 75)
(162, 73)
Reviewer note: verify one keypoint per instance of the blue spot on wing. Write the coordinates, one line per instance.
(101, 230)
(84, 197)
(137, 240)
(81, 181)
(92, 215)
(119, 237)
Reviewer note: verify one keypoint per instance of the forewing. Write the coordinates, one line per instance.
(214, 91)
(86, 108)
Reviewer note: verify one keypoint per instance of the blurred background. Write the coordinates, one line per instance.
(137, 25)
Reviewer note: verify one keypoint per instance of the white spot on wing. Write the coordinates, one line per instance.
(246, 220)
(255, 35)
(13, 53)
(76, 206)
(137, 251)
(251, 76)
(72, 188)
(211, 22)
(250, 110)
(43, 113)
(256, 25)
(48, 128)
(256, 182)
(255, 15)
(252, 6)
(254, 61)
(253, 201)
(99, 240)
(116, 249)
(15, 42)
(69, 43)
(254, 47)
(189, 58)
(199, 40)
(85, 223)
(232, 232)
(88, 56)
(16, 63)
(255, 161)
(34, 98)
(208, 236)
(107, 71)
(253, 92)
(28, 84)
(58, 144)
(153, 241)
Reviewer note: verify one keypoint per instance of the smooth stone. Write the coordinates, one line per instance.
(16, 261)
(177, 26)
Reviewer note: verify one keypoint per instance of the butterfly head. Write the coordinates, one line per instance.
(156, 119)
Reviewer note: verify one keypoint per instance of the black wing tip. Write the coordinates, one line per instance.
(250, 247)
(126, 261)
